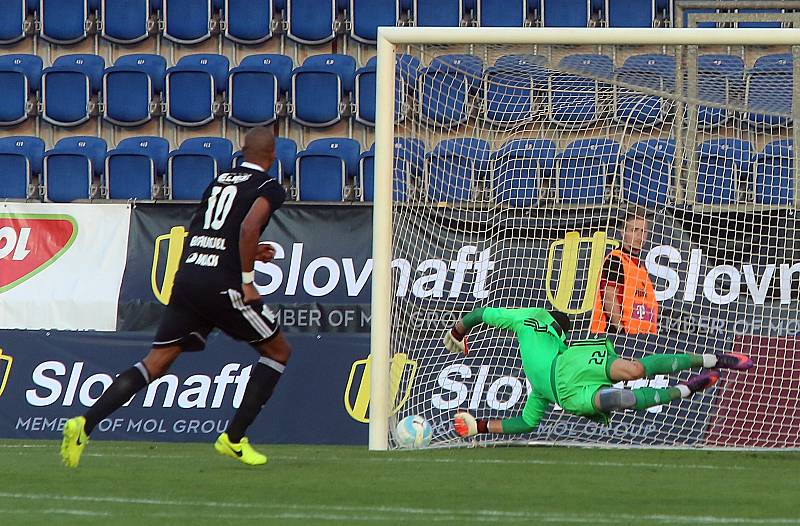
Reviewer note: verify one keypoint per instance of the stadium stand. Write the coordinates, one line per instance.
(65, 21)
(72, 169)
(70, 88)
(722, 165)
(326, 168)
(502, 13)
(438, 13)
(454, 166)
(311, 22)
(367, 15)
(135, 168)
(565, 13)
(774, 174)
(188, 21)
(194, 164)
(15, 24)
(126, 21)
(20, 76)
(248, 22)
(586, 168)
(257, 89)
(193, 86)
(321, 90)
(132, 88)
(647, 172)
(20, 166)
(520, 166)
(409, 156)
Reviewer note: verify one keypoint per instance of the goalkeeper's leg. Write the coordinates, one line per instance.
(610, 399)
(622, 370)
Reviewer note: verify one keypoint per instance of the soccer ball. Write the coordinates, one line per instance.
(413, 432)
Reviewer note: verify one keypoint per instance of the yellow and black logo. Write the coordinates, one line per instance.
(567, 252)
(403, 370)
(6, 362)
(174, 241)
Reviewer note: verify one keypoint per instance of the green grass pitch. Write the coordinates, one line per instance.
(143, 484)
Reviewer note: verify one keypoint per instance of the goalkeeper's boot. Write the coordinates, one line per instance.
(736, 361)
(704, 380)
(74, 441)
(243, 451)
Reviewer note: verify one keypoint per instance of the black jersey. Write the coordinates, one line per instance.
(211, 249)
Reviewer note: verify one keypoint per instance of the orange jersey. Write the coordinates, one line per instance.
(639, 305)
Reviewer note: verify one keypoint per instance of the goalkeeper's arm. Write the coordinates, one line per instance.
(467, 425)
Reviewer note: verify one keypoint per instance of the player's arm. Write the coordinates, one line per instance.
(467, 425)
(612, 292)
(249, 232)
(455, 339)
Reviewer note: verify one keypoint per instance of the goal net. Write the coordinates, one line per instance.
(518, 169)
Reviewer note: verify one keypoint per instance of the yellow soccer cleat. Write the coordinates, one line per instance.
(243, 451)
(74, 442)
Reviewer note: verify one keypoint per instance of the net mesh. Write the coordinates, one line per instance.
(518, 170)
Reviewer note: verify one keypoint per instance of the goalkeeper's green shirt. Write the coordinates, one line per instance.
(539, 344)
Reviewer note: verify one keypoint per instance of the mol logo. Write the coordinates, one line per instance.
(5, 370)
(402, 368)
(29, 243)
(567, 252)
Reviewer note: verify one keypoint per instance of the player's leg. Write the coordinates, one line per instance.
(651, 365)
(128, 383)
(258, 325)
(608, 399)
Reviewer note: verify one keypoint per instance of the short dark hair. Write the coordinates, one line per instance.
(636, 214)
(562, 320)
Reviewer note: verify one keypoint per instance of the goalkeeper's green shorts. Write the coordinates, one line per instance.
(581, 370)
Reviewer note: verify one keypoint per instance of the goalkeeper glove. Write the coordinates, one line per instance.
(466, 425)
(455, 342)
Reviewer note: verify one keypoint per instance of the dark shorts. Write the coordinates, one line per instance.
(192, 315)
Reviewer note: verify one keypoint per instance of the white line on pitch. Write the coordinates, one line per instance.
(462, 515)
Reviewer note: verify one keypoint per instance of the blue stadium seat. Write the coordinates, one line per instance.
(573, 99)
(774, 174)
(126, 21)
(14, 23)
(502, 13)
(187, 21)
(446, 86)
(192, 86)
(630, 13)
(513, 87)
(520, 166)
(64, 21)
(131, 88)
(565, 13)
(20, 76)
(69, 88)
(647, 172)
(742, 25)
(195, 164)
(72, 168)
(311, 22)
(248, 21)
(586, 167)
(134, 169)
(722, 164)
(652, 71)
(285, 156)
(768, 91)
(454, 166)
(720, 79)
(365, 83)
(325, 167)
(367, 15)
(438, 13)
(20, 166)
(409, 158)
(320, 87)
(257, 88)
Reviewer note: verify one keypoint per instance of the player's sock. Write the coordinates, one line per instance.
(124, 387)
(670, 363)
(650, 396)
(263, 378)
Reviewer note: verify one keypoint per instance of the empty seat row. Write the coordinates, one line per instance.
(521, 172)
(327, 88)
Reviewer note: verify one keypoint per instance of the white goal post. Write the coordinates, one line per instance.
(392, 41)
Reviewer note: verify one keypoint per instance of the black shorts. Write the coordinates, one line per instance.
(192, 314)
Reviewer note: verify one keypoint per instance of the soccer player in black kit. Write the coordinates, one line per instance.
(213, 288)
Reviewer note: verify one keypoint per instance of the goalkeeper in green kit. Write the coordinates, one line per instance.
(579, 377)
